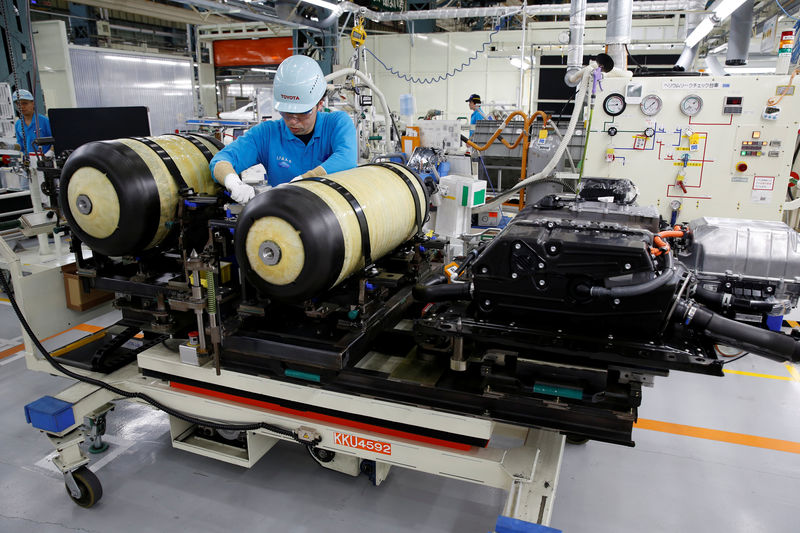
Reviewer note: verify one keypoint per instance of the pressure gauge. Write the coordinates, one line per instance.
(651, 104)
(691, 105)
(614, 104)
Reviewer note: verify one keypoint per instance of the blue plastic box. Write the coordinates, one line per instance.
(50, 414)
(512, 525)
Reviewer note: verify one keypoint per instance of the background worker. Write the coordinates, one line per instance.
(304, 142)
(28, 123)
(474, 102)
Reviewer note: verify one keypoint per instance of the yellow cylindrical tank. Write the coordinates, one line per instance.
(120, 197)
(302, 238)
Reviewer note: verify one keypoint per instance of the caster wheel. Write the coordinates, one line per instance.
(324, 456)
(89, 486)
(100, 449)
(576, 439)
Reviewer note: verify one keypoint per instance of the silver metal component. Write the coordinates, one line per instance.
(84, 204)
(577, 26)
(616, 301)
(764, 254)
(457, 361)
(484, 270)
(541, 265)
(542, 282)
(72, 485)
(553, 249)
(618, 31)
(270, 253)
(627, 266)
(517, 246)
(487, 302)
(514, 275)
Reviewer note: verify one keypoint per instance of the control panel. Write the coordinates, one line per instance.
(698, 146)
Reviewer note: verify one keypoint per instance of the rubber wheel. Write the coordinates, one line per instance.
(89, 485)
(576, 439)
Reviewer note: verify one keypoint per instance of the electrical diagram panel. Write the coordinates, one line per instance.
(700, 145)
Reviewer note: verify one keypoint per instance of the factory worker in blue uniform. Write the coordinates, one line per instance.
(474, 102)
(303, 143)
(24, 103)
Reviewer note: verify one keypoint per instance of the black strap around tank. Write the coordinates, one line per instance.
(198, 143)
(168, 161)
(410, 184)
(366, 247)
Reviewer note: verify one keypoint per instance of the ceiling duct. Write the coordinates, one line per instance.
(314, 13)
(654, 7)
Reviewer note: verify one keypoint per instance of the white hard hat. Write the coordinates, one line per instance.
(21, 94)
(299, 85)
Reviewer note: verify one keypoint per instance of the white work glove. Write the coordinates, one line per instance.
(240, 192)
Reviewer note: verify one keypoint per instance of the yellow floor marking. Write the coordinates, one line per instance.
(793, 371)
(755, 375)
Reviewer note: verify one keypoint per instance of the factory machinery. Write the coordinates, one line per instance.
(321, 313)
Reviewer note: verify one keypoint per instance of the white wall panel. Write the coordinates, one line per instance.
(107, 78)
(491, 75)
(52, 57)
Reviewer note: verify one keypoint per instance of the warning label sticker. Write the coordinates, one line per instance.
(763, 183)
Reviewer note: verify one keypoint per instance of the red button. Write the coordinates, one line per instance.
(741, 167)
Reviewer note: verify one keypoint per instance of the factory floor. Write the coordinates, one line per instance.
(711, 455)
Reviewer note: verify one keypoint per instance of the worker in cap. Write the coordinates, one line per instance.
(474, 102)
(304, 142)
(28, 124)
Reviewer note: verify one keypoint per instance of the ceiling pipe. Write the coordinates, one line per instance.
(739, 35)
(693, 17)
(577, 25)
(654, 7)
(618, 31)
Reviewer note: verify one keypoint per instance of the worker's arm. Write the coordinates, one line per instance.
(238, 156)
(345, 148)
(241, 154)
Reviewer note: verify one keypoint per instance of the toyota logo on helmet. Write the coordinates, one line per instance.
(299, 84)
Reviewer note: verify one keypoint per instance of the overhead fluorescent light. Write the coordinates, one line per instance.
(130, 59)
(166, 62)
(264, 70)
(327, 5)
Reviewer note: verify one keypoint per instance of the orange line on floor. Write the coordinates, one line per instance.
(718, 435)
(80, 327)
